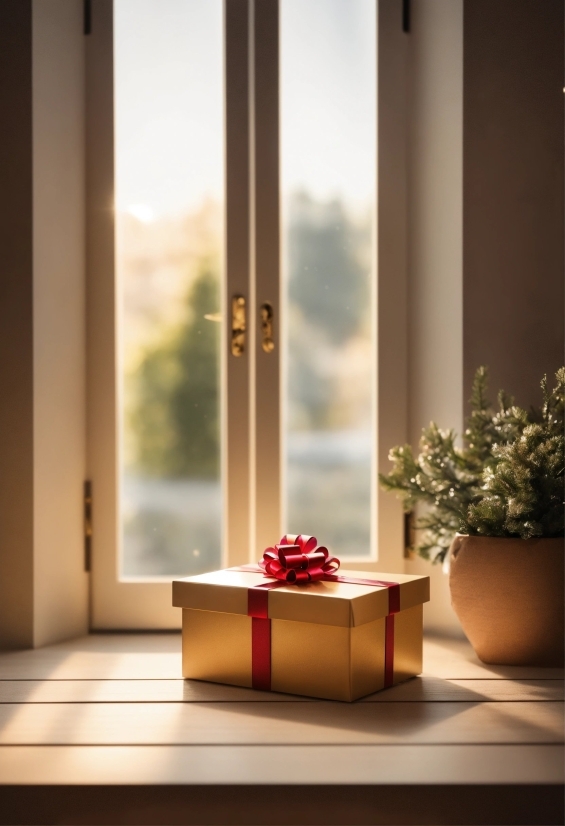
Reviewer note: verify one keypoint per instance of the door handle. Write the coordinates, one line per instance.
(238, 325)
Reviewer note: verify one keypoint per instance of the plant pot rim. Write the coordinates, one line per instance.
(509, 538)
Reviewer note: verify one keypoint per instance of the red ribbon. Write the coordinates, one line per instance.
(297, 560)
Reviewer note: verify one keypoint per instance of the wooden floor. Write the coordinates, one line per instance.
(102, 730)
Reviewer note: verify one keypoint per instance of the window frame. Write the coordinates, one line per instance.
(251, 454)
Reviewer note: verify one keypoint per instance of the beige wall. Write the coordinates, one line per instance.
(60, 592)
(43, 586)
(435, 241)
(391, 248)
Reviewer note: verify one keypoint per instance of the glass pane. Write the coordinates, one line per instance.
(168, 75)
(328, 150)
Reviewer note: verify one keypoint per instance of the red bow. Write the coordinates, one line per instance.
(298, 559)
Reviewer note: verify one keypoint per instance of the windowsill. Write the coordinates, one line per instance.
(82, 719)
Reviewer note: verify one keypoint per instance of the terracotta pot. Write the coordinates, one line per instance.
(508, 595)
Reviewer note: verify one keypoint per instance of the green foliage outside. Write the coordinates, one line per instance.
(329, 299)
(507, 480)
(174, 417)
(328, 282)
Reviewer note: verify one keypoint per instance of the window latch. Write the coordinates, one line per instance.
(238, 325)
(267, 341)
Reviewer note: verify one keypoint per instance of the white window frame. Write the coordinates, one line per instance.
(251, 417)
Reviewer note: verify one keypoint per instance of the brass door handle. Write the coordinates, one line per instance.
(238, 325)
(267, 341)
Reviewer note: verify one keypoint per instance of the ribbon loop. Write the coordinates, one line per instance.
(304, 542)
(298, 559)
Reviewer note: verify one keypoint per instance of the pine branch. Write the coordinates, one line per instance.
(506, 480)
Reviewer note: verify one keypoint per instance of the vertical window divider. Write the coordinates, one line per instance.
(392, 273)
(236, 372)
(252, 397)
(265, 421)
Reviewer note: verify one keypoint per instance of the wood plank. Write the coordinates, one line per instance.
(428, 689)
(134, 691)
(157, 656)
(412, 764)
(122, 689)
(435, 689)
(454, 659)
(98, 657)
(283, 723)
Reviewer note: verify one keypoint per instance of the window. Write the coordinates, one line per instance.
(328, 185)
(235, 314)
(168, 110)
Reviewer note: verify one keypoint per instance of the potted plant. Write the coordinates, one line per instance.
(493, 509)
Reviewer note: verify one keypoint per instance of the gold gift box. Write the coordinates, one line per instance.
(327, 638)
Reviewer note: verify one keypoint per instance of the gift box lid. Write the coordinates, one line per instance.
(327, 603)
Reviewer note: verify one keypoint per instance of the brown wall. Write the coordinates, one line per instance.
(485, 211)
(513, 193)
(16, 314)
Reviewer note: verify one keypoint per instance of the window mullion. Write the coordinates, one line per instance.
(265, 260)
(236, 368)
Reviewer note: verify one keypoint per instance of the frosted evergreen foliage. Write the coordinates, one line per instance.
(506, 480)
